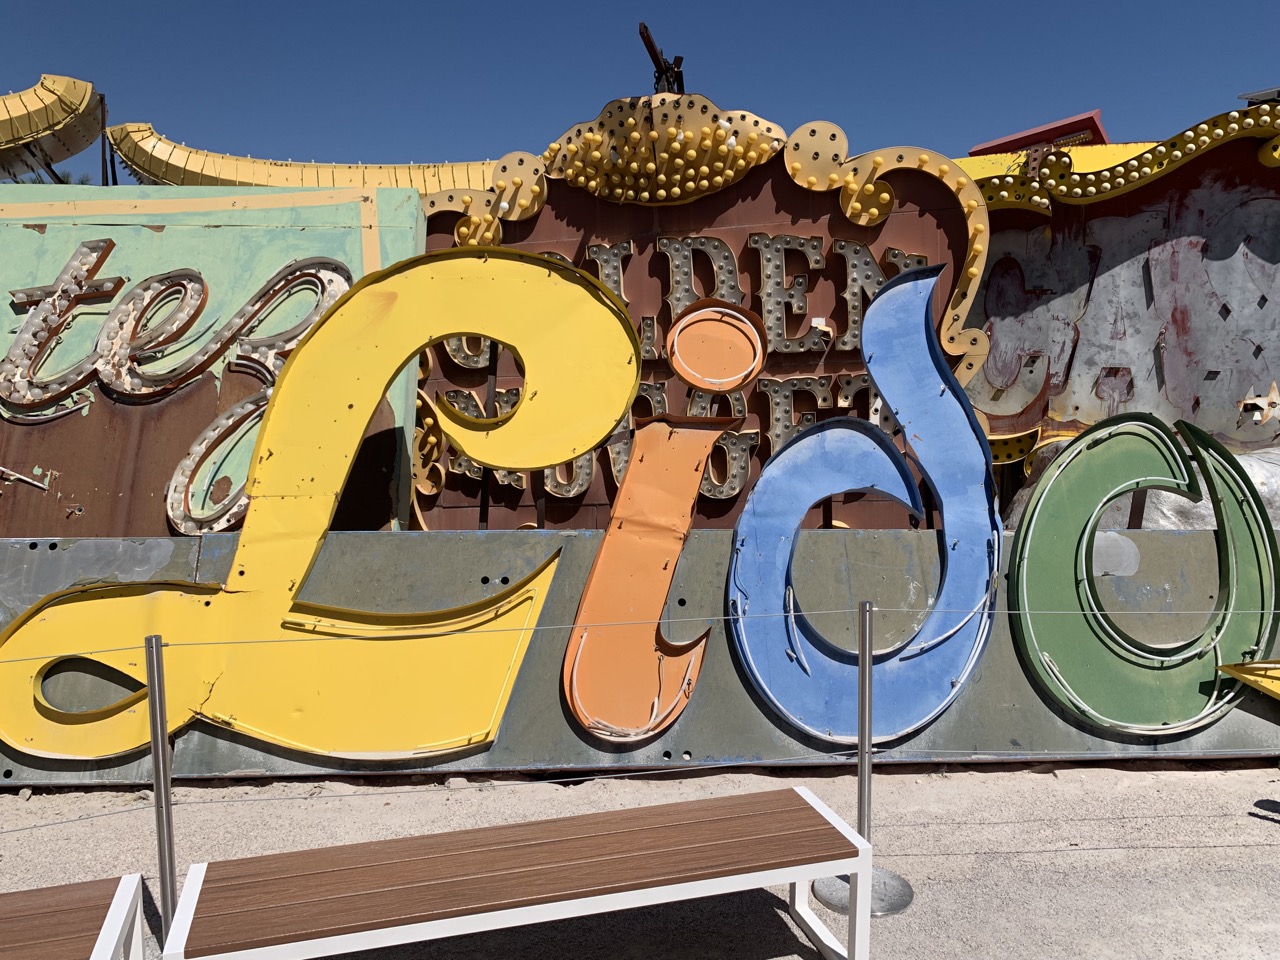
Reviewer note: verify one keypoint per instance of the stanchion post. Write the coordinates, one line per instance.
(162, 773)
(890, 893)
(864, 719)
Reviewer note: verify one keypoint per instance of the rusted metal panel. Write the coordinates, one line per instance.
(1159, 302)
(766, 203)
(145, 341)
(104, 473)
(106, 468)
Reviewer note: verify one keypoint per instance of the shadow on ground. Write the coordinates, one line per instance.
(1269, 806)
(743, 926)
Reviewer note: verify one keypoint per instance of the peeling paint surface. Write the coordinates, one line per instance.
(1079, 290)
(1168, 309)
(67, 563)
(178, 319)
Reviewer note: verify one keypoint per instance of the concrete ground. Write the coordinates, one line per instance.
(1135, 862)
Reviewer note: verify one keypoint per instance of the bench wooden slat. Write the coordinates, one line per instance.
(495, 888)
(444, 899)
(537, 855)
(27, 906)
(70, 948)
(508, 867)
(281, 866)
(51, 928)
(56, 923)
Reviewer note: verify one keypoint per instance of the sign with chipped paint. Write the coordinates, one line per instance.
(146, 331)
(859, 446)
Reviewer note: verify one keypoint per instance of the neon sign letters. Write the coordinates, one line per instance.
(277, 693)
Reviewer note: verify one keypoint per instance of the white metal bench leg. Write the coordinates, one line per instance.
(858, 942)
(860, 911)
(121, 937)
(858, 946)
(818, 932)
(133, 945)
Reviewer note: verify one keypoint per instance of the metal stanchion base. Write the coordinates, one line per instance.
(890, 893)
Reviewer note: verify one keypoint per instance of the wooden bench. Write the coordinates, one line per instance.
(96, 920)
(314, 903)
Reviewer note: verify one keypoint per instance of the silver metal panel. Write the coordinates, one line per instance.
(998, 715)
(32, 569)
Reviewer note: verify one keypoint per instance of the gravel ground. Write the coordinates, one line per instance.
(1142, 861)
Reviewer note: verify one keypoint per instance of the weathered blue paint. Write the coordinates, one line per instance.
(939, 426)
(811, 682)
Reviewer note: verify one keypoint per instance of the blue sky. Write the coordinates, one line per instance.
(420, 82)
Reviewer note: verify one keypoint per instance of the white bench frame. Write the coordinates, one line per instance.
(120, 934)
(799, 877)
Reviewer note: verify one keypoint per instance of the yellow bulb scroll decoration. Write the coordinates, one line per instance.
(250, 656)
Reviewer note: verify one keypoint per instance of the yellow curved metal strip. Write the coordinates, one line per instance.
(438, 688)
(1086, 156)
(817, 157)
(46, 124)
(1082, 175)
(1262, 675)
(581, 344)
(321, 679)
(156, 159)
